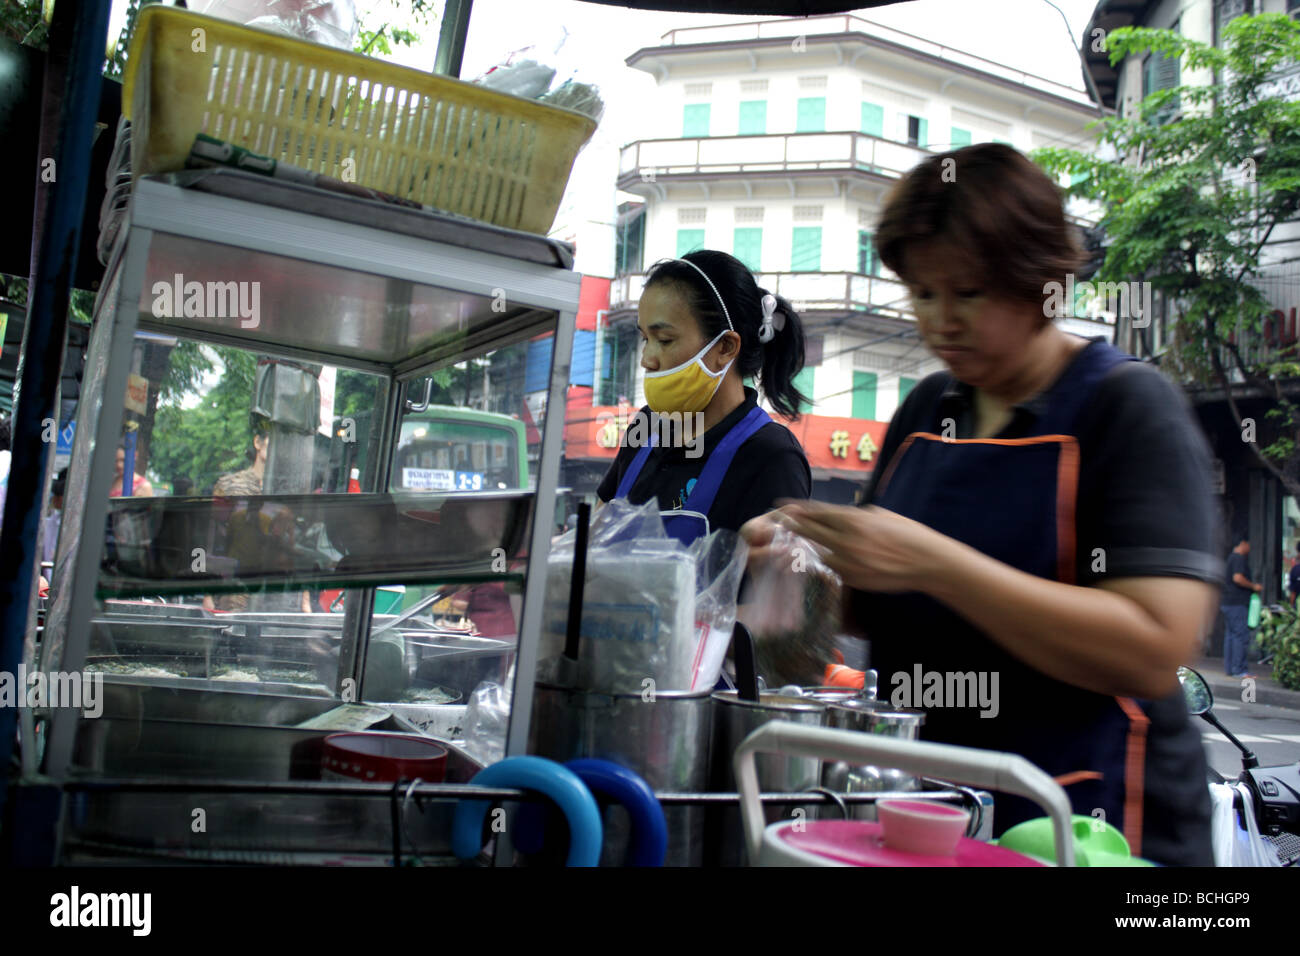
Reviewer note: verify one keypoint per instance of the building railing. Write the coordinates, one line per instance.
(847, 23)
(806, 291)
(647, 159)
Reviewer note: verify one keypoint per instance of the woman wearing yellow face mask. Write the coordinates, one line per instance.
(702, 446)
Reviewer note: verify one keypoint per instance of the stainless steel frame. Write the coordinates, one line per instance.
(547, 295)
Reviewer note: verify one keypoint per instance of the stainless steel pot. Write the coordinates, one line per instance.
(665, 739)
(872, 717)
(734, 720)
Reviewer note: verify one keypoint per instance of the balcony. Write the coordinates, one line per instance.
(808, 292)
(648, 161)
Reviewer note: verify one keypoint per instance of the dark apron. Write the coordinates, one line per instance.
(1014, 500)
(691, 522)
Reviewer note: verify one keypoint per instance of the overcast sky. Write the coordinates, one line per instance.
(1025, 34)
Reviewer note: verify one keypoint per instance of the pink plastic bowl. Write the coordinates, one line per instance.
(929, 829)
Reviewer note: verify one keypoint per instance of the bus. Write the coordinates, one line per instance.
(442, 448)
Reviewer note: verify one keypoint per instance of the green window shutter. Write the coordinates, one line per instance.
(864, 395)
(923, 137)
(1149, 75)
(904, 386)
(753, 118)
(688, 240)
(806, 249)
(868, 264)
(804, 382)
(960, 137)
(695, 119)
(747, 246)
(873, 119)
(811, 115)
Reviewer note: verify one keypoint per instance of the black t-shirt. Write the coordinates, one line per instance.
(770, 465)
(1293, 579)
(1145, 499)
(1234, 595)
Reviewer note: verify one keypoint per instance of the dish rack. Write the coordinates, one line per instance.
(444, 143)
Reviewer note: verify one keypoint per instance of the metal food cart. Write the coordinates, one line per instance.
(201, 712)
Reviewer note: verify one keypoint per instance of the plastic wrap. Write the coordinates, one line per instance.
(329, 22)
(656, 614)
(792, 608)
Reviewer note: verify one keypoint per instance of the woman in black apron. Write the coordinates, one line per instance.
(702, 447)
(1039, 553)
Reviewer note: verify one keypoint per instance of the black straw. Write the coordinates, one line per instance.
(742, 653)
(577, 584)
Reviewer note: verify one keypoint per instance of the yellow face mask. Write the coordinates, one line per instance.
(688, 388)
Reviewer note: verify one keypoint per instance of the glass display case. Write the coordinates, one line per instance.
(299, 501)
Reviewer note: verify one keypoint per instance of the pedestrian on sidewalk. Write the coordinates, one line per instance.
(1293, 579)
(1235, 605)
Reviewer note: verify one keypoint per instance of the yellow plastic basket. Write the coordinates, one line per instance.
(448, 144)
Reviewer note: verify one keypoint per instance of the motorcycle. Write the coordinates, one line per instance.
(1263, 801)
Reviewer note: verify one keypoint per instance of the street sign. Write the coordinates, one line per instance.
(66, 433)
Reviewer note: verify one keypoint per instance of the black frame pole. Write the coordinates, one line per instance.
(79, 32)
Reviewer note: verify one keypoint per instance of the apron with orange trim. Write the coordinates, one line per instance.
(1014, 500)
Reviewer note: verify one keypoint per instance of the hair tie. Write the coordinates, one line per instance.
(773, 321)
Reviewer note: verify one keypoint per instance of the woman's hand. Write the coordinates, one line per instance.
(870, 548)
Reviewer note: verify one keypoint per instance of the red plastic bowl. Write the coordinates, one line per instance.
(382, 758)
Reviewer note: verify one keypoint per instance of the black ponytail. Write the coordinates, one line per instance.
(776, 363)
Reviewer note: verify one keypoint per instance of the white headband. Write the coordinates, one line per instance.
(725, 314)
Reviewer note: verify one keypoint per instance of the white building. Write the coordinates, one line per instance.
(777, 141)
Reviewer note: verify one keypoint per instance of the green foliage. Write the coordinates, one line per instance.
(205, 441)
(377, 40)
(21, 21)
(1279, 635)
(1196, 198)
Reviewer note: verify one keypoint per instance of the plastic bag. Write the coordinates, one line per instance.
(329, 22)
(527, 78)
(653, 609)
(1234, 845)
(792, 608)
(558, 66)
(487, 718)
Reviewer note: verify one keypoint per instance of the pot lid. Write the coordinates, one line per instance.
(862, 844)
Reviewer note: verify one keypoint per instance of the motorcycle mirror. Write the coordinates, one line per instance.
(1195, 691)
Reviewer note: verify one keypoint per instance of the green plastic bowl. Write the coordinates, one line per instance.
(1096, 843)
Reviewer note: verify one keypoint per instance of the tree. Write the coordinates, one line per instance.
(207, 440)
(1193, 201)
(374, 40)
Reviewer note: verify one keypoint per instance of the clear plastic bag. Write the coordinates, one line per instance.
(653, 608)
(329, 22)
(792, 608)
(487, 718)
(1234, 845)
